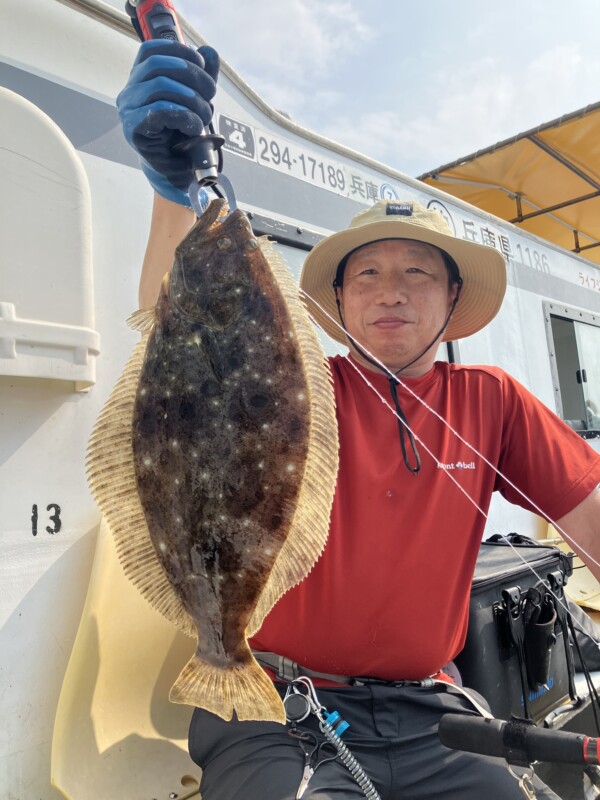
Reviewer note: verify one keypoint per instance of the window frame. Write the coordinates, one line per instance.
(559, 310)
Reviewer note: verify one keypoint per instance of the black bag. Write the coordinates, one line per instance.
(587, 633)
(517, 652)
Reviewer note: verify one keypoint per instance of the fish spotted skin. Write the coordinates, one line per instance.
(220, 431)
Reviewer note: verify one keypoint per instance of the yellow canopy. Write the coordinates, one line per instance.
(546, 181)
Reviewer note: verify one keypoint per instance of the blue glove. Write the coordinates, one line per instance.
(167, 100)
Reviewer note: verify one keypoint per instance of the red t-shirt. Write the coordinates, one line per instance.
(389, 596)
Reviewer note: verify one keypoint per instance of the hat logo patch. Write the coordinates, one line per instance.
(399, 209)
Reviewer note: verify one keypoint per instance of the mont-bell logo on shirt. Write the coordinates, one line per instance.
(458, 465)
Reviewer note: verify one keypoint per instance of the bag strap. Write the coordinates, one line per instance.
(287, 670)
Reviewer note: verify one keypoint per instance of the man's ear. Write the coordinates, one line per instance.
(455, 291)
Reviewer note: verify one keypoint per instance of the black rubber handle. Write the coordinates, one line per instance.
(494, 737)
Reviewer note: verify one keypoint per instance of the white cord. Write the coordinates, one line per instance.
(468, 444)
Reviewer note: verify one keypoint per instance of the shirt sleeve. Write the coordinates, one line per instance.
(546, 467)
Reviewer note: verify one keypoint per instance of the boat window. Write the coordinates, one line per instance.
(574, 340)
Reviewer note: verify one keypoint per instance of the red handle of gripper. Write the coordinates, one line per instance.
(158, 20)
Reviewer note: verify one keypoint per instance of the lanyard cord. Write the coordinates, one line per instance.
(403, 426)
(405, 431)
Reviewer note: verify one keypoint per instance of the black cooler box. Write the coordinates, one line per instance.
(495, 659)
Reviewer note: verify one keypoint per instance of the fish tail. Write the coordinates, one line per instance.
(242, 687)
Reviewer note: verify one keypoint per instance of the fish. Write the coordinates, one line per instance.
(215, 458)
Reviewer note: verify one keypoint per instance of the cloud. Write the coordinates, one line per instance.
(473, 107)
(294, 41)
(324, 64)
(295, 101)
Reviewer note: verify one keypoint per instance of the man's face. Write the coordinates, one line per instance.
(394, 300)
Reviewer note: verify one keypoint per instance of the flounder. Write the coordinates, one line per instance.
(215, 458)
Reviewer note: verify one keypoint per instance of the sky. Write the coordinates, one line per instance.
(412, 84)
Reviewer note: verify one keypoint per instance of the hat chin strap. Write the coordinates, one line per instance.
(403, 426)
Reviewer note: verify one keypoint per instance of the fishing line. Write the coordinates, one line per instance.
(568, 539)
(455, 432)
(456, 483)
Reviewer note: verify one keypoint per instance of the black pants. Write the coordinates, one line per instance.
(393, 734)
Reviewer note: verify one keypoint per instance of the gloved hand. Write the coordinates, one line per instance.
(167, 100)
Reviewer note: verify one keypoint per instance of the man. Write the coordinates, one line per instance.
(385, 608)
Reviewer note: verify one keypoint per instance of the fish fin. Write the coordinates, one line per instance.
(142, 320)
(243, 688)
(111, 472)
(310, 524)
(111, 476)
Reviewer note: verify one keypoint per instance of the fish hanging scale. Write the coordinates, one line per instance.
(215, 458)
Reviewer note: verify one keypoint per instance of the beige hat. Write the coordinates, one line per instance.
(482, 268)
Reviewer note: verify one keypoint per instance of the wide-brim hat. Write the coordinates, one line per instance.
(482, 268)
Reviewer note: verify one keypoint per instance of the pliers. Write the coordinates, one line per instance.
(314, 756)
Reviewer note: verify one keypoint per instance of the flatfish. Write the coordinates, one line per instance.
(215, 458)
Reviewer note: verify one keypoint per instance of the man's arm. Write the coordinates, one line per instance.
(582, 529)
(170, 223)
(166, 101)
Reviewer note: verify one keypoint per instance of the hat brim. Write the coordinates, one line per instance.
(482, 269)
